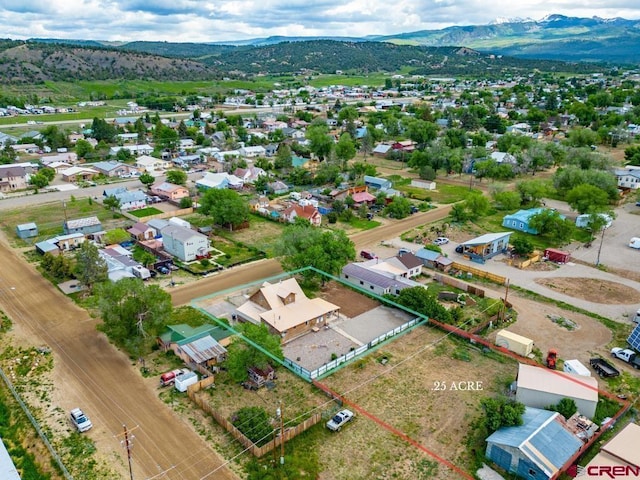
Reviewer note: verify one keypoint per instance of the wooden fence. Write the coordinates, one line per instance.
(289, 432)
(480, 273)
(204, 383)
(459, 284)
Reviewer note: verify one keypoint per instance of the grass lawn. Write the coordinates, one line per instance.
(49, 218)
(145, 212)
(233, 253)
(363, 224)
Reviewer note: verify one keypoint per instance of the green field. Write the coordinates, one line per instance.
(50, 217)
(145, 212)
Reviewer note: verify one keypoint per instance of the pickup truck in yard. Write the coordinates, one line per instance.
(626, 355)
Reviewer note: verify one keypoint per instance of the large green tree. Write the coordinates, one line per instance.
(133, 313)
(302, 245)
(320, 142)
(399, 208)
(502, 412)
(225, 206)
(242, 353)
(587, 198)
(420, 300)
(345, 149)
(177, 177)
(90, 267)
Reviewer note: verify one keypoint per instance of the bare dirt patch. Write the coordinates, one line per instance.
(418, 392)
(351, 303)
(592, 289)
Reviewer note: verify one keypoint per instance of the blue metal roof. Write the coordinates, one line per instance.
(524, 215)
(541, 438)
(426, 254)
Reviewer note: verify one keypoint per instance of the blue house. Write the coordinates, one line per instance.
(535, 450)
(378, 183)
(520, 220)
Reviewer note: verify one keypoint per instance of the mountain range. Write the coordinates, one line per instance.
(554, 37)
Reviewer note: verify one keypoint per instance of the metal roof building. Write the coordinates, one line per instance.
(537, 449)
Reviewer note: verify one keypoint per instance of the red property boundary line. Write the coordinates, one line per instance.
(476, 339)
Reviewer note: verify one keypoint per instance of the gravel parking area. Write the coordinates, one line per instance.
(374, 323)
(314, 349)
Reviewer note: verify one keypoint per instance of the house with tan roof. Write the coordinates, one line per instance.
(621, 452)
(286, 310)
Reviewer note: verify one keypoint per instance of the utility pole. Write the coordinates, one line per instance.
(281, 416)
(600, 246)
(128, 444)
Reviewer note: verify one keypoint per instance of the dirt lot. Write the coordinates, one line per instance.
(351, 303)
(593, 289)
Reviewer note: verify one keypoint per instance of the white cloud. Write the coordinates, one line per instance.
(220, 20)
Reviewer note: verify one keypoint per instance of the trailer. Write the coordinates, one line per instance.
(603, 368)
(558, 256)
(576, 367)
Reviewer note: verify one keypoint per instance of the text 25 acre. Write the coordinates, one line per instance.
(466, 385)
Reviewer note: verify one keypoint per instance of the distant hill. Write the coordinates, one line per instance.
(557, 37)
(37, 62)
(31, 62)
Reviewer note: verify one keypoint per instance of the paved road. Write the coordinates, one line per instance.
(92, 374)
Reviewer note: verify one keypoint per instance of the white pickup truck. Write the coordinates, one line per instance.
(627, 355)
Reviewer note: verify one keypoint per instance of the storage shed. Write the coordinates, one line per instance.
(557, 256)
(523, 346)
(183, 381)
(27, 230)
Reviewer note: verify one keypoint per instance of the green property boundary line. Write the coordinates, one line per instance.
(422, 319)
(36, 425)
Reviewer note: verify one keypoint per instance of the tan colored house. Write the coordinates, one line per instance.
(13, 178)
(142, 231)
(170, 191)
(286, 310)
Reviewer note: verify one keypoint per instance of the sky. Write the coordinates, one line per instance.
(232, 20)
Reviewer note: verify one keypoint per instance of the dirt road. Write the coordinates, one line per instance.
(92, 374)
(267, 268)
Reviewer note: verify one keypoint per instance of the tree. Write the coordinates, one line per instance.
(39, 180)
(112, 203)
(320, 142)
(459, 213)
(186, 202)
(166, 138)
(566, 407)
(306, 246)
(90, 267)
(531, 191)
(83, 148)
(225, 206)
(283, 158)
(427, 173)
(501, 412)
(345, 148)
(477, 205)
(549, 222)
(103, 131)
(587, 198)
(117, 235)
(147, 179)
(254, 423)
(133, 313)
(242, 354)
(399, 208)
(177, 177)
(506, 200)
(420, 300)
(143, 257)
(522, 245)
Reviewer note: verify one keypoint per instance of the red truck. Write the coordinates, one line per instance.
(169, 378)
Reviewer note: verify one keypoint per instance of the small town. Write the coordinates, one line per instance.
(414, 277)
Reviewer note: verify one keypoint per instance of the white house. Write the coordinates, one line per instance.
(184, 243)
(253, 151)
(135, 150)
(628, 178)
(148, 164)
